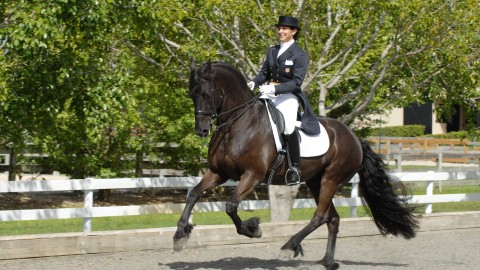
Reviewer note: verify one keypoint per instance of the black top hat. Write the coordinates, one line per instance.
(288, 21)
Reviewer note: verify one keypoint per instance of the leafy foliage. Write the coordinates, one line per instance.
(394, 131)
(100, 84)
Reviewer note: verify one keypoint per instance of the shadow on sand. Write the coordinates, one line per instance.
(241, 263)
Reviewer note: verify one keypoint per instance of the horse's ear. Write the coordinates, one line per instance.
(192, 65)
(207, 68)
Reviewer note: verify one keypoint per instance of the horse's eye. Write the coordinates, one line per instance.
(206, 95)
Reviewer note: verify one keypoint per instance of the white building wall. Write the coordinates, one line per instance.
(388, 118)
(437, 128)
(395, 118)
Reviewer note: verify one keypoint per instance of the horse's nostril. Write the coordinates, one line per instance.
(203, 132)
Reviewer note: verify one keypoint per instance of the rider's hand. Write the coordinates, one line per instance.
(251, 85)
(267, 89)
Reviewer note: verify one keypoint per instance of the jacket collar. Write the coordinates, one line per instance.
(287, 54)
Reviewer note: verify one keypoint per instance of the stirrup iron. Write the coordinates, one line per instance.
(292, 173)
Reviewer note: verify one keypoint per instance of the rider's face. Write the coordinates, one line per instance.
(285, 33)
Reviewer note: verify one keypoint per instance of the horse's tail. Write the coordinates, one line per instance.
(389, 210)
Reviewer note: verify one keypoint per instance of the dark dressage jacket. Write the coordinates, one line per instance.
(287, 72)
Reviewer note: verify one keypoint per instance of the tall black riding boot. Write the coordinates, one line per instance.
(292, 176)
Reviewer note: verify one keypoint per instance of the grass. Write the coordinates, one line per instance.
(142, 221)
(210, 218)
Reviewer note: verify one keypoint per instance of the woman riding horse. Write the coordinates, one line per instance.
(242, 149)
(284, 69)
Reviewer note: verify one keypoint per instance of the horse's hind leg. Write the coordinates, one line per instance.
(325, 213)
(332, 225)
(184, 228)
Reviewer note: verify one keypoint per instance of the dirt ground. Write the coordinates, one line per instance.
(445, 250)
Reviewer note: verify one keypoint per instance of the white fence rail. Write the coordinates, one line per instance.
(89, 211)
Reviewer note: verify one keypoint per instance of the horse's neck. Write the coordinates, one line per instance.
(234, 96)
(242, 111)
(236, 101)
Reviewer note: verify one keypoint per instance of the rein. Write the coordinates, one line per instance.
(249, 104)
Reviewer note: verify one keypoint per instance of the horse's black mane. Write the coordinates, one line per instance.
(200, 72)
(203, 72)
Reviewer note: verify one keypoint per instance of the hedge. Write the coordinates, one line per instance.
(393, 131)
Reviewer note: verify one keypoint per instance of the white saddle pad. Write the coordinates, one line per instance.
(310, 146)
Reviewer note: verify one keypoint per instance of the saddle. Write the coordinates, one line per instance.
(311, 145)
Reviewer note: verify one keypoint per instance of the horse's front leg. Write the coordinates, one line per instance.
(184, 228)
(251, 226)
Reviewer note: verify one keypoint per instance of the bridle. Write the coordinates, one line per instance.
(212, 113)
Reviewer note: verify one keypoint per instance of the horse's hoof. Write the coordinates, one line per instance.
(179, 244)
(181, 236)
(252, 228)
(298, 250)
(329, 264)
(257, 233)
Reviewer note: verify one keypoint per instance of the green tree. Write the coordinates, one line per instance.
(72, 83)
(64, 88)
(90, 81)
(365, 55)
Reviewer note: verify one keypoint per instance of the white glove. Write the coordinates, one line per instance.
(267, 89)
(251, 85)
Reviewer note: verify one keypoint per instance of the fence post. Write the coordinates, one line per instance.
(439, 161)
(354, 194)
(429, 191)
(88, 206)
(439, 168)
(399, 162)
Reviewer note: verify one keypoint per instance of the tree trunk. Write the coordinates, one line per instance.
(139, 163)
(12, 166)
(281, 201)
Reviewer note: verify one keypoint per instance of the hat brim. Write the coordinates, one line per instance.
(286, 24)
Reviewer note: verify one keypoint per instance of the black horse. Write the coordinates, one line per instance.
(242, 148)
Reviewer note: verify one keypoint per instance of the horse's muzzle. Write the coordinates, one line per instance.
(203, 125)
(202, 132)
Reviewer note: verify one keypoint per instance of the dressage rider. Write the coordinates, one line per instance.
(280, 79)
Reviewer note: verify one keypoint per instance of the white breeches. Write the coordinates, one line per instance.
(288, 105)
